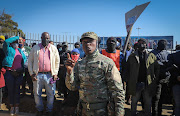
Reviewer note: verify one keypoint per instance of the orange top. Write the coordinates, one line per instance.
(114, 56)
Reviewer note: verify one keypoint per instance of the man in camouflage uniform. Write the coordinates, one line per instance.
(97, 79)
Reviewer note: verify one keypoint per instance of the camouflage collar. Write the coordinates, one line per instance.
(93, 55)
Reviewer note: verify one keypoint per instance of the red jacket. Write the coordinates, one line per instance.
(2, 82)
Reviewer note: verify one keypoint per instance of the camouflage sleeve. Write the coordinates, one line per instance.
(116, 90)
(72, 80)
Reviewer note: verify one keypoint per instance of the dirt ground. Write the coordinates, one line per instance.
(27, 107)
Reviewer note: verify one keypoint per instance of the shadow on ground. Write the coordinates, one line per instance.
(27, 105)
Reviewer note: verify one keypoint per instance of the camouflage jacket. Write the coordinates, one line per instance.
(98, 80)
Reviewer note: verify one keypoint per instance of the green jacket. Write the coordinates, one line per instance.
(10, 52)
(97, 79)
(152, 72)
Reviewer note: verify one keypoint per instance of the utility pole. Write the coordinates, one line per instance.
(138, 31)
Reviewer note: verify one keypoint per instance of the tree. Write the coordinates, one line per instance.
(8, 25)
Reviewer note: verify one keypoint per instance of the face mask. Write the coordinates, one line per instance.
(77, 46)
(45, 42)
(60, 49)
(75, 57)
(141, 47)
(20, 45)
(64, 48)
(111, 47)
(162, 46)
(15, 45)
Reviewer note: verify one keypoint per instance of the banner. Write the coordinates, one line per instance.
(132, 15)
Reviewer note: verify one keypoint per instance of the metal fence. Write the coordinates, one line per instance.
(71, 39)
(36, 38)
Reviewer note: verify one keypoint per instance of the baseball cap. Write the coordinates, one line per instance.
(91, 35)
(75, 50)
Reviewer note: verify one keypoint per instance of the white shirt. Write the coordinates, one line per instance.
(128, 53)
(26, 54)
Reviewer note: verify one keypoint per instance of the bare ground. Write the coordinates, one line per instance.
(27, 107)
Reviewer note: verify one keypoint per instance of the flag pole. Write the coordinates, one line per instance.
(127, 41)
(130, 18)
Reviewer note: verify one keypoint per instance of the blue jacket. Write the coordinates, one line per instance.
(10, 52)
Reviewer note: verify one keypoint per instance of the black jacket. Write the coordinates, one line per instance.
(162, 58)
(63, 56)
(174, 67)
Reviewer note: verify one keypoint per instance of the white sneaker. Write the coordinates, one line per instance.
(16, 110)
(12, 111)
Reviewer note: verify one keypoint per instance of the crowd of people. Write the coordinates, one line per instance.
(100, 81)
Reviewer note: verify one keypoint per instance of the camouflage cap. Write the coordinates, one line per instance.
(91, 35)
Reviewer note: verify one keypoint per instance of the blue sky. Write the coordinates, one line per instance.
(104, 17)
